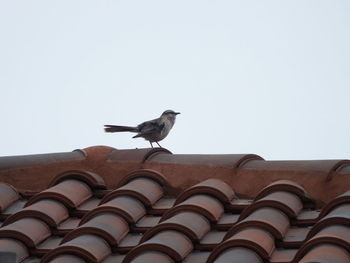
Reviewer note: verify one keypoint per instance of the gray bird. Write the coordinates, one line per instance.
(153, 130)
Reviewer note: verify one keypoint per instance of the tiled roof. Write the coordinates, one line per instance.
(150, 214)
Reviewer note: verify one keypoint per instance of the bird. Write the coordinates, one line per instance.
(152, 131)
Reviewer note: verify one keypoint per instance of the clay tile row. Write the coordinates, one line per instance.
(50, 211)
(9, 245)
(319, 167)
(262, 222)
(272, 220)
(70, 192)
(339, 215)
(204, 204)
(129, 208)
(146, 190)
(287, 202)
(90, 248)
(109, 226)
(329, 212)
(8, 195)
(286, 186)
(30, 231)
(326, 253)
(172, 243)
(337, 235)
(91, 179)
(213, 187)
(194, 225)
(139, 155)
(233, 161)
(256, 239)
(339, 200)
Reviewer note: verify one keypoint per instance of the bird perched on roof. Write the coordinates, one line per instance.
(153, 130)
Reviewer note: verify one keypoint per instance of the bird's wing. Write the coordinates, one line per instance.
(149, 127)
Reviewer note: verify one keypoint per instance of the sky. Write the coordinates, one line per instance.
(264, 77)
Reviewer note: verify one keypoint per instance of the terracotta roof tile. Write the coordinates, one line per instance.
(326, 253)
(146, 190)
(187, 208)
(93, 180)
(14, 246)
(270, 219)
(203, 204)
(172, 243)
(91, 248)
(71, 193)
(194, 225)
(127, 207)
(30, 231)
(50, 211)
(109, 226)
(8, 195)
(214, 187)
(236, 255)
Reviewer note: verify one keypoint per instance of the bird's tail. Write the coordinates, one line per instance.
(116, 128)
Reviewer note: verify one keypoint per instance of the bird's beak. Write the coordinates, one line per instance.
(176, 113)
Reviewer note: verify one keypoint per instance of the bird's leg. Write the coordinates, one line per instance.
(158, 144)
(151, 145)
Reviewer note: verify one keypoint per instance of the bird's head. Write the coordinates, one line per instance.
(170, 114)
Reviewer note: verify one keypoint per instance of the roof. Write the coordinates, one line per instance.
(106, 205)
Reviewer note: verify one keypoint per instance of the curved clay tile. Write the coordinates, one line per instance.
(91, 179)
(30, 231)
(256, 239)
(339, 200)
(127, 207)
(272, 220)
(90, 248)
(47, 245)
(68, 225)
(316, 167)
(146, 223)
(339, 215)
(287, 202)
(335, 234)
(8, 195)
(151, 256)
(172, 243)
(215, 187)
(109, 226)
(67, 258)
(47, 210)
(144, 173)
(87, 206)
(232, 161)
(70, 192)
(14, 246)
(235, 255)
(326, 253)
(146, 190)
(137, 155)
(287, 186)
(194, 225)
(206, 205)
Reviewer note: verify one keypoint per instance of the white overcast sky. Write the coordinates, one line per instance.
(264, 77)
